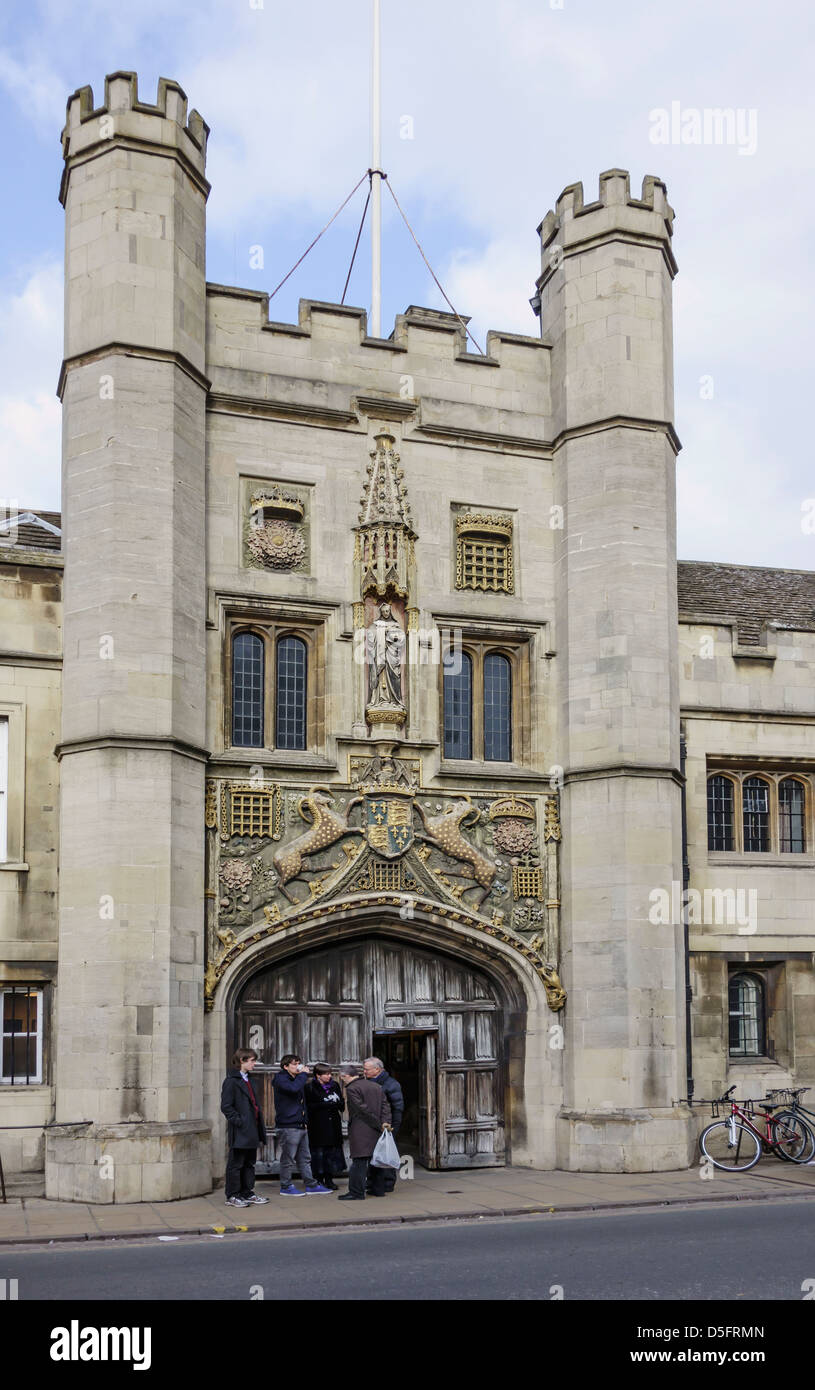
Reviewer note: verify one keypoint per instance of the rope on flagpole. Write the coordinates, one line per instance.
(359, 234)
(387, 183)
(319, 234)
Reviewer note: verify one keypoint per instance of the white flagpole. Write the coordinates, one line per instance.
(376, 180)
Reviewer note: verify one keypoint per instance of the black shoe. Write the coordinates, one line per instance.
(330, 1184)
(349, 1197)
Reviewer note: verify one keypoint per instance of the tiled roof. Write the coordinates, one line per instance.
(29, 533)
(751, 594)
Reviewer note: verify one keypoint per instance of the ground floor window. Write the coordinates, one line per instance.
(21, 1027)
(747, 1015)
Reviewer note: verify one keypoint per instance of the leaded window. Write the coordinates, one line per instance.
(290, 703)
(756, 811)
(497, 708)
(458, 705)
(791, 809)
(746, 1015)
(247, 690)
(720, 813)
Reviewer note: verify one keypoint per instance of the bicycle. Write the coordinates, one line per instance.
(796, 1111)
(737, 1143)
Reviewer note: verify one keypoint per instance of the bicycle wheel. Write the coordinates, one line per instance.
(730, 1145)
(792, 1138)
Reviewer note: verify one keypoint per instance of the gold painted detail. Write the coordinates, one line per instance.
(359, 613)
(211, 805)
(511, 806)
(413, 620)
(484, 552)
(382, 715)
(527, 883)
(555, 993)
(274, 501)
(551, 828)
(250, 810)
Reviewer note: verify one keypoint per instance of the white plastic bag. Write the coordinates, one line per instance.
(386, 1154)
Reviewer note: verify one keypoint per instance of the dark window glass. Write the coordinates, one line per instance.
(290, 705)
(247, 691)
(458, 705)
(497, 709)
(21, 1037)
(756, 801)
(719, 813)
(791, 804)
(746, 1008)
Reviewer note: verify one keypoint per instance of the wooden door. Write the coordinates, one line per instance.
(327, 1005)
(428, 1104)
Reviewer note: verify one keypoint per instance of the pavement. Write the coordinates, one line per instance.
(452, 1195)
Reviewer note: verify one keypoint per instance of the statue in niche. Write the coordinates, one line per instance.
(385, 642)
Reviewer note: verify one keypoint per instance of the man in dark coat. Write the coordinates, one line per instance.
(324, 1106)
(246, 1131)
(373, 1069)
(368, 1113)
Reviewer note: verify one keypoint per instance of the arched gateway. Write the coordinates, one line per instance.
(439, 1023)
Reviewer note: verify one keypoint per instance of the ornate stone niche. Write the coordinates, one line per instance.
(276, 528)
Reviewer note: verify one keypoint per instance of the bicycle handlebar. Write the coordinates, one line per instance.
(727, 1094)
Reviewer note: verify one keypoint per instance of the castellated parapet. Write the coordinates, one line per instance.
(126, 120)
(575, 225)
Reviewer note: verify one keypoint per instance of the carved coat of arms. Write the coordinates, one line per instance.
(389, 824)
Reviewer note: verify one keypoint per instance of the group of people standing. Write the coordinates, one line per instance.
(308, 1119)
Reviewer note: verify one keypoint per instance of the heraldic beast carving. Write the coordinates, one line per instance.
(327, 828)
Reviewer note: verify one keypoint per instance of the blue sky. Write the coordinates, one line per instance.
(510, 100)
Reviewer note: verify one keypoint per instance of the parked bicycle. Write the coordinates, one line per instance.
(792, 1108)
(737, 1143)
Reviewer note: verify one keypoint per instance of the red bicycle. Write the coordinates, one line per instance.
(738, 1142)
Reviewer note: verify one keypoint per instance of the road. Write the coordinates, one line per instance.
(728, 1252)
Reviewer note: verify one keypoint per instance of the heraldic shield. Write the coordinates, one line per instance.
(389, 824)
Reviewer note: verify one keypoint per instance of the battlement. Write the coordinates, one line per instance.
(418, 330)
(575, 224)
(124, 119)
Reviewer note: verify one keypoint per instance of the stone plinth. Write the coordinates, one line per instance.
(128, 1162)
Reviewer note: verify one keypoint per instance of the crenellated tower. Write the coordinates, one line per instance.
(133, 720)
(605, 308)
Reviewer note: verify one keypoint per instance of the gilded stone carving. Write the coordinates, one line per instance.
(444, 832)
(326, 828)
(276, 537)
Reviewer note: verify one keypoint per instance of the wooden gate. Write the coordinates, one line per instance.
(326, 1007)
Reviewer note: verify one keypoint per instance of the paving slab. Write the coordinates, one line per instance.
(428, 1196)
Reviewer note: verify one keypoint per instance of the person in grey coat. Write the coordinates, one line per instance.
(369, 1112)
(373, 1070)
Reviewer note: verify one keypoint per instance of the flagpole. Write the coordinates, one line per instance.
(376, 179)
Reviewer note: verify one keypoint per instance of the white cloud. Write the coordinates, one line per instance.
(30, 414)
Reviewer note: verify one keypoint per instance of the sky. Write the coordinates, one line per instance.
(490, 108)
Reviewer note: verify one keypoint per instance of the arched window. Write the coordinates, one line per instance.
(746, 1009)
(458, 705)
(247, 690)
(791, 809)
(720, 813)
(756, 807)
(497, 708)
(290, 702)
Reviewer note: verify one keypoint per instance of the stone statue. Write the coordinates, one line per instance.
(385, 642)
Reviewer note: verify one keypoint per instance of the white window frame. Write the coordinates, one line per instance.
(35, 990)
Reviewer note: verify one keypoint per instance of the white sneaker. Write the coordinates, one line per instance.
(236, 1202)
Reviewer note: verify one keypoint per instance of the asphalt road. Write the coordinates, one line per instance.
(729, 1252)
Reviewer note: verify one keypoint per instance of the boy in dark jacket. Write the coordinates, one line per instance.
(246, 1131)
(290, 1123)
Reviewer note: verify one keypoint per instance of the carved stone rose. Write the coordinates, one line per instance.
(236, 875)
(515, 836)
(278, 545)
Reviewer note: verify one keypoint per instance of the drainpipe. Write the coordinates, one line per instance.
(685, 923)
